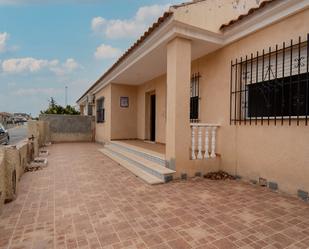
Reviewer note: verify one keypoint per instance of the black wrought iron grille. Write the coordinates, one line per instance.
(100, 111)
(272, 86)
(194, 98)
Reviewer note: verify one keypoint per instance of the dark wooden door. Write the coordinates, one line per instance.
(153, 117)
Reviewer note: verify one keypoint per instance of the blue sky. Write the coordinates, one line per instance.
(46, 45)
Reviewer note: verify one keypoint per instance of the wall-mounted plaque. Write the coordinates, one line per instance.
(124, 102)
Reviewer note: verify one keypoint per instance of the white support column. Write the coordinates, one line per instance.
(199, 145)
(193, 156)
(206, 155)
(213, 142)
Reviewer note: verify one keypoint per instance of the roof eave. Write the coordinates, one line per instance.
(166, 16)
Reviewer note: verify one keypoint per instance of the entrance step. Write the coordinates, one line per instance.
(139, 151)
(143, 164)
(148, 178)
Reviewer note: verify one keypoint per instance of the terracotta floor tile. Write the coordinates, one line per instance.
(152, 240)
(89, 201)
(179, 244)
(168, 234)
(161, 246)
(281, 239)
(173, 222)
(224, 244)
(127, 234)
(108, 239)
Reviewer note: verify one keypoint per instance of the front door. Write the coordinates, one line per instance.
(153, 117)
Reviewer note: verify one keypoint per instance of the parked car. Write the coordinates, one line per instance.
(4, 135)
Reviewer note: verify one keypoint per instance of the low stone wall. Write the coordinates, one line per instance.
(69, 128)
(40, 133)
(13, 161)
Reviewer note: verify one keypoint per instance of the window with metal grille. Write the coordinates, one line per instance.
(272, 85)
(194, 98)
(100, 111)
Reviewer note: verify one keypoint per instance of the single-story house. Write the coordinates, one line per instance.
(212, 85)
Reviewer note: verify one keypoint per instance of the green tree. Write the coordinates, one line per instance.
(54, 108)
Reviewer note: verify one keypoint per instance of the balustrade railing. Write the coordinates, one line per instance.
(203, 141)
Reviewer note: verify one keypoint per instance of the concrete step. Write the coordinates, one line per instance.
(147, 161)
(154, 167)
(144, 153)
(143, 162)
(148, 178)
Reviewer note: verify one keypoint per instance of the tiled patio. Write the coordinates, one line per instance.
(85, 200)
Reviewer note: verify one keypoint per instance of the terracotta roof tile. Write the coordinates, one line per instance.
(151, 29)
(250, 12)
(161, 20)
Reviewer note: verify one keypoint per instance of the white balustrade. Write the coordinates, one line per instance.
(205, 133)
(193, 143)
(206, 155)
(213, 142)
(199, 143)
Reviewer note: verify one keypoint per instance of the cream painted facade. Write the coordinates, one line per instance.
(192, 42)
(277, 153)
(158, 87)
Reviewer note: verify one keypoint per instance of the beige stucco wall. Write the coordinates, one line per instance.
(103, 130)
(210, 15)
(157, 86)
(277, 153)
(130, 123)
(13, 160)
(16, 159)
(123, 120)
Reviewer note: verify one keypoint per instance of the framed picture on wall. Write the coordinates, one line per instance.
(124, 102)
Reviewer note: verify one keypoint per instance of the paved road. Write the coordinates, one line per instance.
(18, 134)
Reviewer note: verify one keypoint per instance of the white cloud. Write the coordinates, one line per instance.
(68, 66)
(3, 40)
(149, 13)
(19, 65)
(71, 64)
(36, 91)
(32, 65)
(97, 22)
(134, 27)
(106, 52)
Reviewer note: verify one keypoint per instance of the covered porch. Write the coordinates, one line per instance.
(151, 100)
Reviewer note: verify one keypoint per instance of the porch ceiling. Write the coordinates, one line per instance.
(154, 63)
